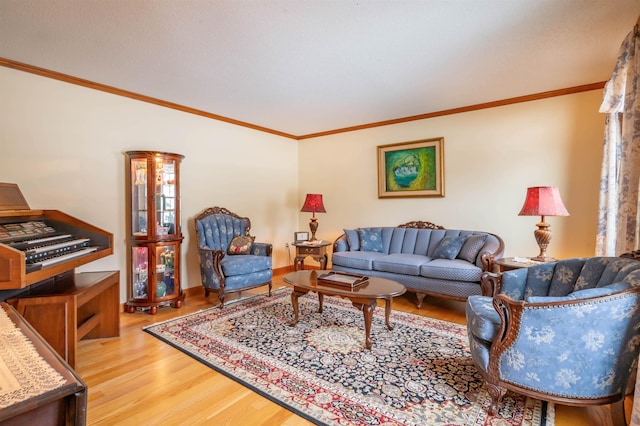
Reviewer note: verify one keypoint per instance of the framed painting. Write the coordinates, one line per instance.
(411, 169)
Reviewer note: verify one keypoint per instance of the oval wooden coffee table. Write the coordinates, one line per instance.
(363, 297)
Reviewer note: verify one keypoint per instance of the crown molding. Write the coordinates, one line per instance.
(8, 63)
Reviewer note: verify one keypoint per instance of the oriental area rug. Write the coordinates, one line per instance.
(419, 373)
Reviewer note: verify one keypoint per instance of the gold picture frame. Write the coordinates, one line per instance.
(411, 169)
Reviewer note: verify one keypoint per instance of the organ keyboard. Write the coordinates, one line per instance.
(36, 245)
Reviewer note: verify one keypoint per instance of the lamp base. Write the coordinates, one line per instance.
(543, 237)
(313, 227)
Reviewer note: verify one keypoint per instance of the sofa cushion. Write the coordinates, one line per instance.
(407, 264)
(471, 247)
(353, 239)
(371, 239)
(240, 265)
(448, 248)
(356, 259)
(453, 270)
(240, 245)
(482, 319)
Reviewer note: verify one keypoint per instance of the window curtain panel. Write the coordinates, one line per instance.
(618, 217)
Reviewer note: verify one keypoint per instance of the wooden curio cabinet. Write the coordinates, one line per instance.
(154, 232)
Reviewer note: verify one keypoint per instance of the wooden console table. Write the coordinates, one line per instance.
(83, 305)
(61, 402)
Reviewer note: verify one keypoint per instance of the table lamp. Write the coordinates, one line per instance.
(543, 201)
(313, 203)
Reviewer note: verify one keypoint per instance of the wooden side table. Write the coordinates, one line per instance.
(510, 263)
(317, 251)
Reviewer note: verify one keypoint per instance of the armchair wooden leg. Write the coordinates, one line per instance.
(221, 297)
(496, 393)
(618, 416)
(270, 285)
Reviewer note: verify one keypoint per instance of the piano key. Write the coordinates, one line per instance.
(63, 258)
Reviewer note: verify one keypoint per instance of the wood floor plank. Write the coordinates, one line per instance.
(138, 379)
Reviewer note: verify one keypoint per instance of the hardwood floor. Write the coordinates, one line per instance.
(137, 379)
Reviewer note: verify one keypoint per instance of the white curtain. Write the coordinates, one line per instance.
(619, 218)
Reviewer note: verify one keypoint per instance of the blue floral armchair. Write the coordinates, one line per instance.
(227, 266)
(564, 331)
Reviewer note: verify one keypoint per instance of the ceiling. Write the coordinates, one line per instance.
(301, 67)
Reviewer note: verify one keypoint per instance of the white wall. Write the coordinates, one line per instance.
(491, 157)
(63, 145)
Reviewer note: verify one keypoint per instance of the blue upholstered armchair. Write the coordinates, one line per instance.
(564, 331)
(229, 264)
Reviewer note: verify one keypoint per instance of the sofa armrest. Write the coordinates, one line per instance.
(493, 249)
(490, 283)
(341, 244)
(210, 269)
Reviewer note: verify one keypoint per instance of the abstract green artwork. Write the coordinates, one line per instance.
(411, 169)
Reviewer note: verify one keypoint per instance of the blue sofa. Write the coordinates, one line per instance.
(426, 258)
(563, 331)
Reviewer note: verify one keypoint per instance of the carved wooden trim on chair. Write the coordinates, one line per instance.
(419, 224)
(490, 283)
(510, 312)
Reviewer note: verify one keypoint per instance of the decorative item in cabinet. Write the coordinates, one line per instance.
(154, 231)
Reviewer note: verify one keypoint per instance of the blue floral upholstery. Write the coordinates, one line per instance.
(564, 331)
(215, 228)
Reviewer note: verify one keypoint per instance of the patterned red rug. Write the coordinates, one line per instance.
(420, 373)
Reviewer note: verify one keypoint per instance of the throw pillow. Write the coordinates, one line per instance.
(448, 248)
(371, 240)
(240, 245)
(352, 239)
(471, 247)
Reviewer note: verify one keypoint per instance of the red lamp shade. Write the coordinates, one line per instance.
(543, 201)
(313, 204)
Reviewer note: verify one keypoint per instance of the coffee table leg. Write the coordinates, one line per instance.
(387, 312)
(320, 301)
(367, 309)
(294, 302)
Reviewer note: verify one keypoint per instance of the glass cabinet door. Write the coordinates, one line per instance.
(165, 271)
(139, 217)
(140, 269)
(165, 193)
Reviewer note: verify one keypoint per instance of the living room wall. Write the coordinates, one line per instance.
(491, 157)
(63, 145)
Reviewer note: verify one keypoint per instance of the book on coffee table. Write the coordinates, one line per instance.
(343, 279)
